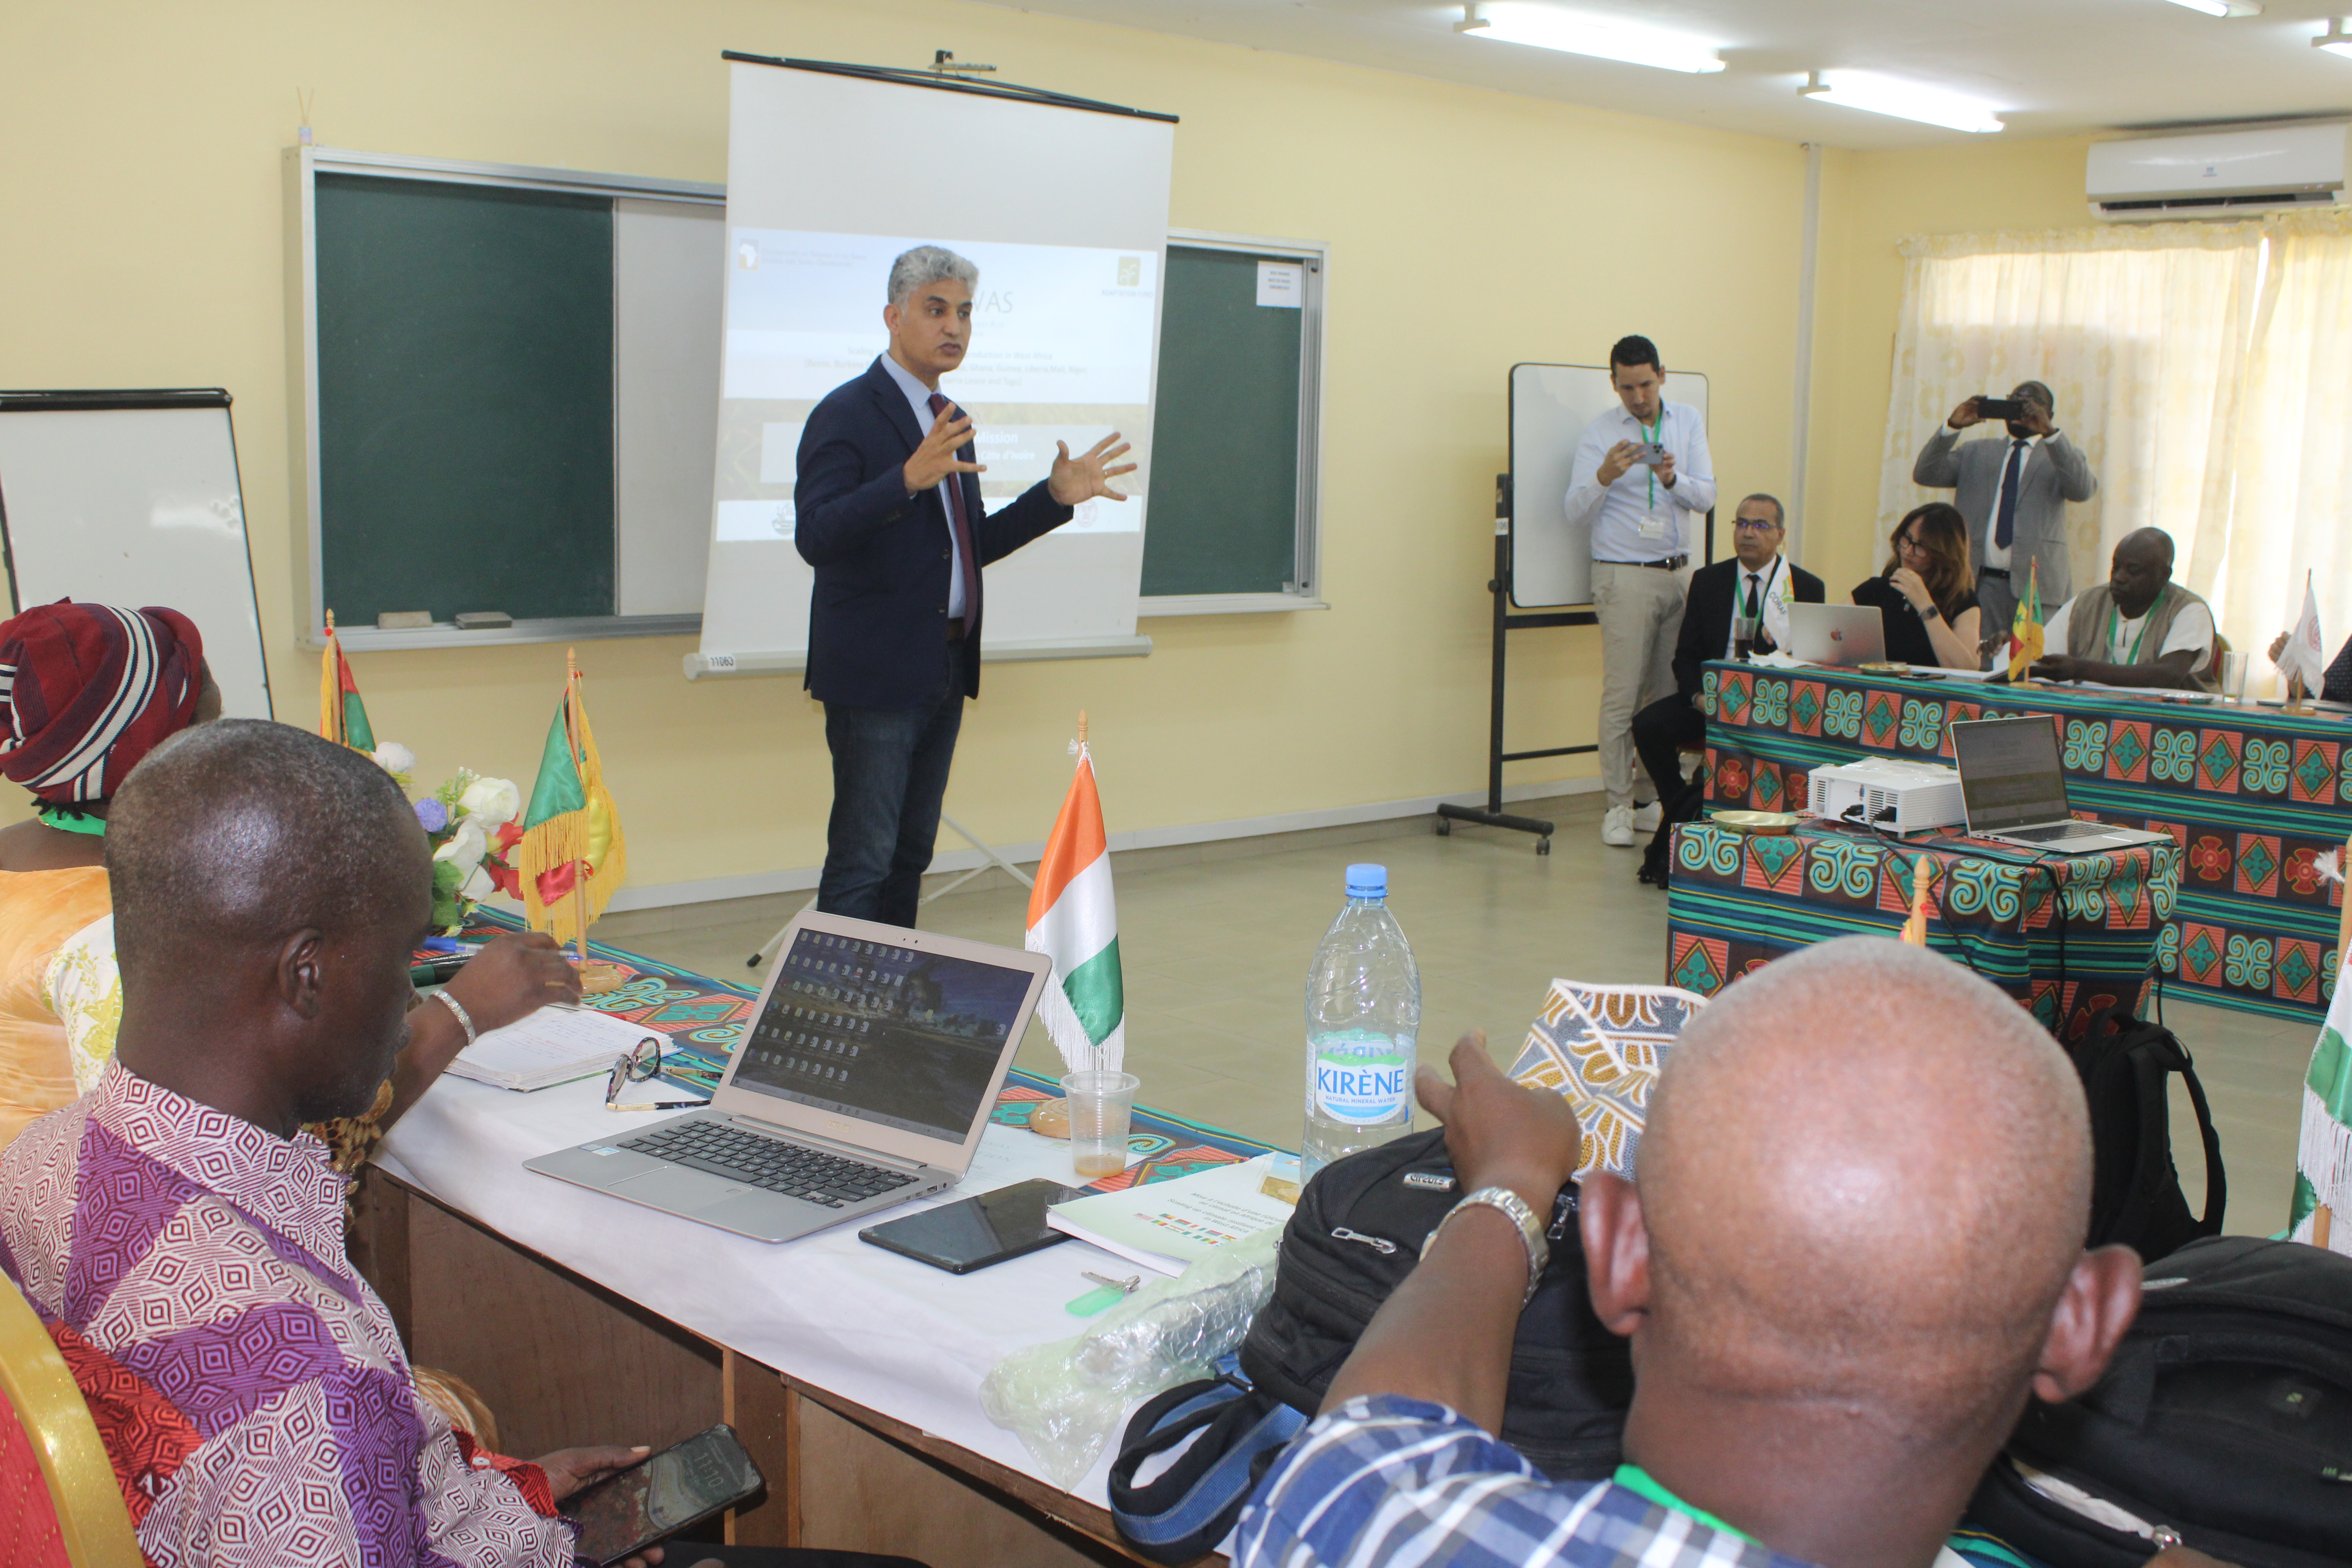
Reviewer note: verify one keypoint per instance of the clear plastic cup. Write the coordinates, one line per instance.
(1100, 1104)
(2233, 676)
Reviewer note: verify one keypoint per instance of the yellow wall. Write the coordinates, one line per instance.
(1869, 202)
(1468, 230)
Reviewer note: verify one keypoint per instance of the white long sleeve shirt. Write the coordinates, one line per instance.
(1640, 517)
(919, 398)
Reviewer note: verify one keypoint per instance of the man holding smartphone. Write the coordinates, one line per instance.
(1641, 470)
(2013, 493)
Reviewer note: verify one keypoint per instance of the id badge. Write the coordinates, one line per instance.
(1654, 525)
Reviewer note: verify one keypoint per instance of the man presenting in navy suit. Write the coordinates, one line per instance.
(887, 509)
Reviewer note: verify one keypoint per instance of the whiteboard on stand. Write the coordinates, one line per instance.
(131, 499)
(1551, 559)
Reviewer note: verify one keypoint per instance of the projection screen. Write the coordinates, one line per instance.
(1064, 211)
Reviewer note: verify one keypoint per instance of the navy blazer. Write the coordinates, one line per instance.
(879, 611)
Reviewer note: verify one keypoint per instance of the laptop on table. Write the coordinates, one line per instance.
(869, 1072)
(2013, 790)
(1839, 635)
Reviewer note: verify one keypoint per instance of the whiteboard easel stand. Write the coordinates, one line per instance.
(989, 857)
(1505, 623)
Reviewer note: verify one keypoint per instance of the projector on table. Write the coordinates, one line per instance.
(1891, 795)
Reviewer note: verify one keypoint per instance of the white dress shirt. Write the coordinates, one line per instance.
(2191, 629)
(919, 397)
(1640, 517)
(1775, 591)
(1996, 555)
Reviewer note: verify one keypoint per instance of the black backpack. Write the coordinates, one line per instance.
(2225, 1421)
(1357, 1231)
(2125, 1064)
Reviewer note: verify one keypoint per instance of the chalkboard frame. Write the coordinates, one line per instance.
(303, 164)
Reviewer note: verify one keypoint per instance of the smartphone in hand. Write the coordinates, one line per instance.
(631, 1510)
(2000, 407)
(1649, 454)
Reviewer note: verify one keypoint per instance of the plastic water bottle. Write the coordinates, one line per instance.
(1363, 1010)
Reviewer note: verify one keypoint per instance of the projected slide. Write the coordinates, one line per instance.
(1061, 351)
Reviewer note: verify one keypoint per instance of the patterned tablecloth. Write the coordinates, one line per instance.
(705, 1020)
(2064, 935)
(2252, 797)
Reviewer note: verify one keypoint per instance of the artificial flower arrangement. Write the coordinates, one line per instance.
(470, 822)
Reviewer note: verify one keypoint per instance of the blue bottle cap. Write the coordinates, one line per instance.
(1368, 881)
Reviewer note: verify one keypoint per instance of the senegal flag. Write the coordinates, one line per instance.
(571, 842)
(2025, 630)
(343, 717)
(1074, 921)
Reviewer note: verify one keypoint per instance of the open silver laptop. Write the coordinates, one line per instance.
(2014, 790)
(1841, 635)
(866, 1078)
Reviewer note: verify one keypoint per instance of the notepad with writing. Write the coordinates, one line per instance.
(552, 1045)
(1166, 1226)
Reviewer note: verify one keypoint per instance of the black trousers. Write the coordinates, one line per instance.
(1660, 732)
(889, 775)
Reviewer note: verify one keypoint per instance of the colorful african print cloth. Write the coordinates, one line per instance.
(2066, 935)
(2253, 797)
(1386, 1482)
(1603, 1047)
(86, 690)
(249, 1384)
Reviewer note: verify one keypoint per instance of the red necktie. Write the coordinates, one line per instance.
(962, 523)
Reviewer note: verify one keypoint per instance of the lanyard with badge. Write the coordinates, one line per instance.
(1653, 525)
(1746, 628)
(2115, 634)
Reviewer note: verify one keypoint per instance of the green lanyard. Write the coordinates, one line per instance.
(66, 819)
(1634, 1478)
(1653, 434)
(2113, 620)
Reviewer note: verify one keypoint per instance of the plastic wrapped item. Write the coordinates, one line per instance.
(1064, 1399)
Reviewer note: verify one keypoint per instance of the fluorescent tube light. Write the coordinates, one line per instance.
(2223, 7)
(1545, 28)
(1880, 95)
(2335, 41)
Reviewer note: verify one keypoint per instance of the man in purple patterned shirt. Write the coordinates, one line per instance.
(182, 1238)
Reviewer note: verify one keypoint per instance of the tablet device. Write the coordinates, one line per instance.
(977, 1232)
(630, 1509)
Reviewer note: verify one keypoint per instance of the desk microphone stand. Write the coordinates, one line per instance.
(989, 857)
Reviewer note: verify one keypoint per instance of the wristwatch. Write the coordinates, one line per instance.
(1531, 1229)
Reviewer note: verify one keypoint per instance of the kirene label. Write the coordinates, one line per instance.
(1362, 1078)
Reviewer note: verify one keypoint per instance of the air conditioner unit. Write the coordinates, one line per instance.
(2230, 172)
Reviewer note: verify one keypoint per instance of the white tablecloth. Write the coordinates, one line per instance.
(895, 1335)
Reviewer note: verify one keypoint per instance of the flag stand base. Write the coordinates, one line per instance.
(989, 857)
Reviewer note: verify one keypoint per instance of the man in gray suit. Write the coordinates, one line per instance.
(2014, 494)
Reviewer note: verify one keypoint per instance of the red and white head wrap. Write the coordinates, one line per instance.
(86, 690)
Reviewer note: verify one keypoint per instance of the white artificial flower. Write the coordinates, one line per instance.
(466, 847)
(395, 759)
(490, 803)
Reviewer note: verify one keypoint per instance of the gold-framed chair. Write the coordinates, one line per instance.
(92, 1524)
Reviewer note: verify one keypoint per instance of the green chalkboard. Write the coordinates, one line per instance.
(1225, 461)
(464, 399)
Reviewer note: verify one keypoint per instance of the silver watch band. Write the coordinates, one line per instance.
(465, 1019)
(1514, 1207)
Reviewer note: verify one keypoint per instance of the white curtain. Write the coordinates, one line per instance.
(2139, 331)
(2291, 450)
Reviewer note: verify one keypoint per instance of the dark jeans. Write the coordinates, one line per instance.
(890, 775)
(1660, 732)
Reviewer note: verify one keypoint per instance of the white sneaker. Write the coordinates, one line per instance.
(1617, 828)
(1647, 817)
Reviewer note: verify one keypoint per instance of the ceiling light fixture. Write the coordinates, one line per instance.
(1545, 28)
(2335, 41)
(2223, 7)
(1880, 95)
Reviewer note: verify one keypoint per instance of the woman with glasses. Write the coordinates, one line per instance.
(1928, 592)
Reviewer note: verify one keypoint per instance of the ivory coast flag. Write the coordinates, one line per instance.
(343, 717)
(2025, 628)
(1074, 921)
(571, 842)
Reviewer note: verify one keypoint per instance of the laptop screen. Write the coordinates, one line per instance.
(2010, 775)
(885, 1034)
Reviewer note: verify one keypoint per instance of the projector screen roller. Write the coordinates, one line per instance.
(1062, 211)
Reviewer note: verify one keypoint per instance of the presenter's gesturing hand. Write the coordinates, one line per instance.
(936, 458)
(1085, 476)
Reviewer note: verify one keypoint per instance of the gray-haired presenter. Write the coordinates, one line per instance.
(887, 509)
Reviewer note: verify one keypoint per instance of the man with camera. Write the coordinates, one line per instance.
(2013, 493)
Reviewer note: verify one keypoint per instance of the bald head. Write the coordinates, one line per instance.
(1866, 1178)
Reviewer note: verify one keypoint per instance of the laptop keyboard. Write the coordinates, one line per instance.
(2057, 831)
(768, 1163)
